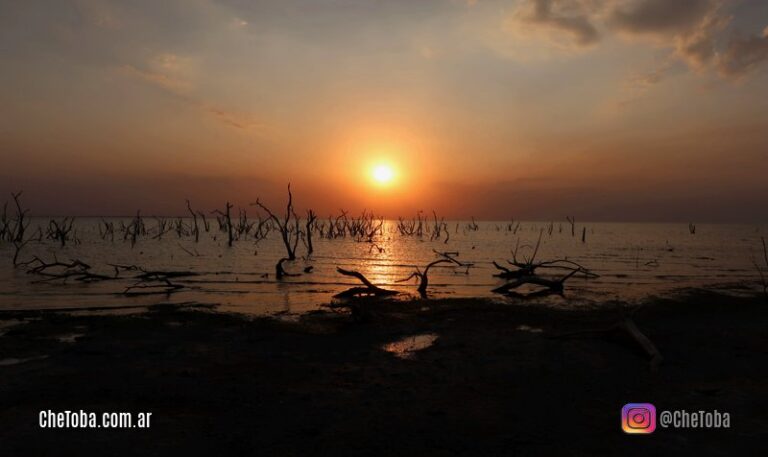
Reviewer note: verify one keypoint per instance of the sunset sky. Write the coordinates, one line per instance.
(623, 110)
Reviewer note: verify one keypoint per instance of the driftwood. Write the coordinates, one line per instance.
(155, 282)
(525, 272)
(553, 285)
(506, 273)
(526, 275)
(147, 282)
(369, 290)
(163, 275)
(118, 268)
(76, 270)
(655, 356)
(626, 327)
(423, 276)
(280, 272)
(164, 287)
(528, 269)
(376, 247)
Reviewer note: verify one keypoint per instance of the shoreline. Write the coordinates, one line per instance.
(497, 379)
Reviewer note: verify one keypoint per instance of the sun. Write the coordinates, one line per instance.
(383, 174)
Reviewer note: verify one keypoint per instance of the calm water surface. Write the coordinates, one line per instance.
(633, 261)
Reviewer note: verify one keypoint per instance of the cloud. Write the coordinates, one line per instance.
(100, 14)
(636, 86)
(236, 120)
(569, 17)
(176, 74)
(743, 55)
(660, 16)
(697, 47)
(693, 29)
(168, 71)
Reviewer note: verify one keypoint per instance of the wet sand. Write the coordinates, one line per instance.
(493, 379)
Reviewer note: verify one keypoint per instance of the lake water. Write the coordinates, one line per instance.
(633, 261)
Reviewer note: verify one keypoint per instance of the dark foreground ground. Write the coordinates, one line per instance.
(220, 384)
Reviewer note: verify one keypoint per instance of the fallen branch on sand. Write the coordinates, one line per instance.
(628, 328)
(369, 290)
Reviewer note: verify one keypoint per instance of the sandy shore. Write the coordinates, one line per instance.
(498, 379)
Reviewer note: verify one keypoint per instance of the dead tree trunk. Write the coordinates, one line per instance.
(227, 219)
(311, 218)
(195, 228)
(17, 247)
(20, 225)
(424, 276)
(284, 225)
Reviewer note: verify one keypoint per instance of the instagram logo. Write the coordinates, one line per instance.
(638, 418)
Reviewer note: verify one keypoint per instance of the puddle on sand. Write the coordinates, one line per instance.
(15, 361)
(69, 337)
(529, 329)
(407, 347)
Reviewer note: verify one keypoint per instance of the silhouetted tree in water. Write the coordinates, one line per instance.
(14, 227)
(311, 218)
(423, 276)
(288, 225)
(195, 227)
(225, 222)
(61, 231)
